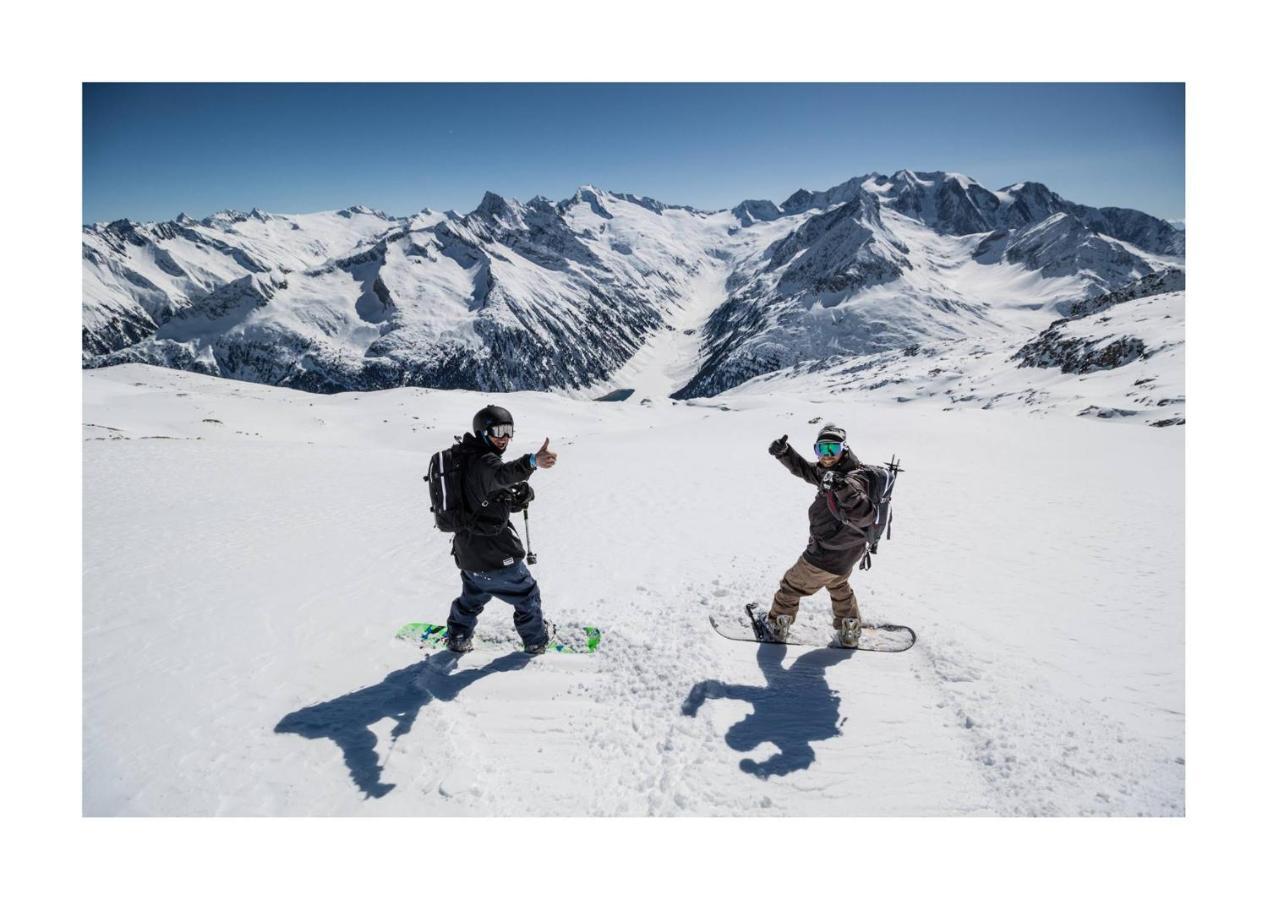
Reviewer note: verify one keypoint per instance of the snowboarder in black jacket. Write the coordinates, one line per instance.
(489, 554)
(834, 547)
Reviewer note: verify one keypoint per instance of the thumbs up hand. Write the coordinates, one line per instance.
(545, 456)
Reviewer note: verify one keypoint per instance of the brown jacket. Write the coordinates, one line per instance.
(833, 547)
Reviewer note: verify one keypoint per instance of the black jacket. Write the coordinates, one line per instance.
(833, 547)
(491, 542)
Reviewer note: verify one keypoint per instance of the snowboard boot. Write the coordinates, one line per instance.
(777, 627)
(848, 633)
(539, 649)
(458, 643)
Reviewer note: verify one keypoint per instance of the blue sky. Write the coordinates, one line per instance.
(154, 150)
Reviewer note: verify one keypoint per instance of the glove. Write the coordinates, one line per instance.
(520, 495)
(832, 481)
(779, 447)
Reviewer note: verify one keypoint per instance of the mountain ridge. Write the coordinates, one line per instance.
(559, 295)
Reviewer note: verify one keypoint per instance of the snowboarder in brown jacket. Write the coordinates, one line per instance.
(835, 547)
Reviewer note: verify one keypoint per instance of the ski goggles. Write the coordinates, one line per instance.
(829, 448)
(501, 430)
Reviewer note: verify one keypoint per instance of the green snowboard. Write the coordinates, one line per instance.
(563, 638)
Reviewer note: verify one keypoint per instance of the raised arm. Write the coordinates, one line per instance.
(791, 460)
(494, 474)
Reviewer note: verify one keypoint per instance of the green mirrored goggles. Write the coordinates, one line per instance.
(828, 448)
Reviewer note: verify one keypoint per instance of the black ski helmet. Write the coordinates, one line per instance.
(490, 416)
(830, 432)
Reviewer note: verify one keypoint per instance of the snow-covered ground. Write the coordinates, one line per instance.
(249, 551)
(985, 374)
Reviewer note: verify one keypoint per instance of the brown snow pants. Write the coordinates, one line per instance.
(802, 580)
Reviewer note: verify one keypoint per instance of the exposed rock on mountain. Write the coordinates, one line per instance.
(1096, 334)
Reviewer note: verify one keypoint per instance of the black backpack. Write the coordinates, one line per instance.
(444, 482)
(880, 493)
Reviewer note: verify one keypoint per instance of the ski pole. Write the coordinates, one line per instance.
(532, 557)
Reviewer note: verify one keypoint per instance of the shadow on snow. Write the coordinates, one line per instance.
(401, 696)
(794, 708)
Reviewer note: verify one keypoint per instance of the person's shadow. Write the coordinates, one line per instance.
(794, 708)
(401, 696)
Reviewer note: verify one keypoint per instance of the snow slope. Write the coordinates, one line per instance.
(249, 550)
(1124, 363)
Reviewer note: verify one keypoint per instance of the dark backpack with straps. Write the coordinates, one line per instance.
(444, 483)
(880, 493)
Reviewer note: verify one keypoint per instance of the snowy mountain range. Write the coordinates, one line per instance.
(605, 291)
